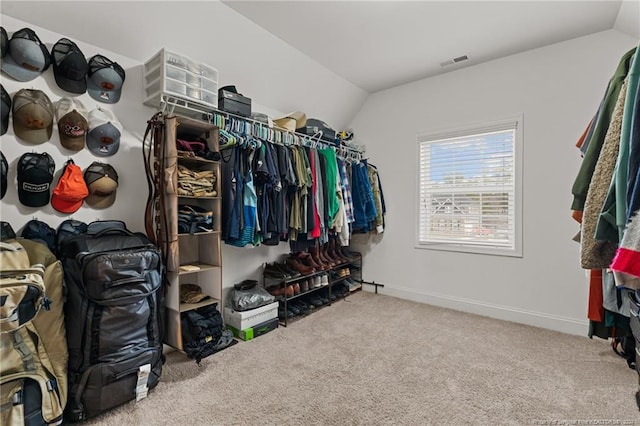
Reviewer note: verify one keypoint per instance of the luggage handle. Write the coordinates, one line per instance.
(114, 231)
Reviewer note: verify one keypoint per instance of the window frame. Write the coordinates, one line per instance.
(469, 130)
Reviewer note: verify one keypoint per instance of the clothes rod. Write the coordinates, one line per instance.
(208, 114)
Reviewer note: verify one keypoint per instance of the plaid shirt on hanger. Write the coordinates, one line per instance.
(346, 191)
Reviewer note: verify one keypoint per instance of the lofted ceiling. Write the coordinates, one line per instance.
(374, 45)
(380, 44)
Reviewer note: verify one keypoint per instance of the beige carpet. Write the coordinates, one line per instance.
(377, 360)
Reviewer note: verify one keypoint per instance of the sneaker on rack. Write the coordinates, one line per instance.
(324, 279)
(353, 285)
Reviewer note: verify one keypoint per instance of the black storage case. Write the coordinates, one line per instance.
(234, 103)
(313, 126)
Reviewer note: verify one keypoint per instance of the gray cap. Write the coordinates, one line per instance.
(27, 56)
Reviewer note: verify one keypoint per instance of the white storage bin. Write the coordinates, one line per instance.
(179, 76)
(241, 320)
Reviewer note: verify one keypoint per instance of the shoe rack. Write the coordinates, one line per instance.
(314, 287)
(193, 258)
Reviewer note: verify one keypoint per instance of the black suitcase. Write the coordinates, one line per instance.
(115, 313)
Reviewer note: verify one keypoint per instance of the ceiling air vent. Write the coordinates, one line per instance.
(454, 60)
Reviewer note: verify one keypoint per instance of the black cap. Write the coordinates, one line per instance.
(35, 174)
(69, 66)
(4, 41)
(105, 79)
(4, 171)
(5, 109)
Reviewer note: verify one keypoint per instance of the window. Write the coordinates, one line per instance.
(470, 189)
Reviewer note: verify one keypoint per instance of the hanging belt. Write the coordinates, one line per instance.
(154, 128)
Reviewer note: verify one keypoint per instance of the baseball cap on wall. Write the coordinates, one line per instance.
(4, 42)
(69, 66)
(4, 171)
(71, 189)
(32, 116)
(5, 109)
(105, 79)
(73, 123)
(35, 174)
(27, 57)
(102, 182)
(103, 137)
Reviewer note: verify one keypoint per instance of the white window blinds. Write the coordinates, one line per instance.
(468, 188)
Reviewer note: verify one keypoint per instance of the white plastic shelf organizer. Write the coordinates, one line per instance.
(176, 75)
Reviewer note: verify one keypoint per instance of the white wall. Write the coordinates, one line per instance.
(239, 263)
(132, 190)
(262, 66)
(557, 89)
(628, 19)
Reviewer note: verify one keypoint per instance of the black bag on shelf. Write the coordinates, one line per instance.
(203, 332)
(249, 295)
(114, 317)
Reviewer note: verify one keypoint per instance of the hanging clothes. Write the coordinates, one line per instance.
(581, 183)
(346, 191)
(287, 191)
(374, 180)
(615, 207)
(598, 253)
(330, 179)
(364, 208)
(232, 184)
(626, 264)
(600, 197)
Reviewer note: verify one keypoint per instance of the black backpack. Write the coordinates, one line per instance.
(68, 228)
(114, 316)
(41, 232)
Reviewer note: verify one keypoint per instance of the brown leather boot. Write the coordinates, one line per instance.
(327, 253)
(306, 259)
(293, 263)
(337, 250)
(322, 256)
(313, 251)
(332, 252)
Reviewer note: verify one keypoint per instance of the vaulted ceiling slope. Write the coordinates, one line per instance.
(374, 45)
(381, 44)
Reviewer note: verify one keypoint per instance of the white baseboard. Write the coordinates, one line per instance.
(533, 318)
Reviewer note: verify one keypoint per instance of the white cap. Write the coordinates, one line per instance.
(66, 104)
(103, 138)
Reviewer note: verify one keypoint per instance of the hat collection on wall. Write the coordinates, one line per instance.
(24, 58)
